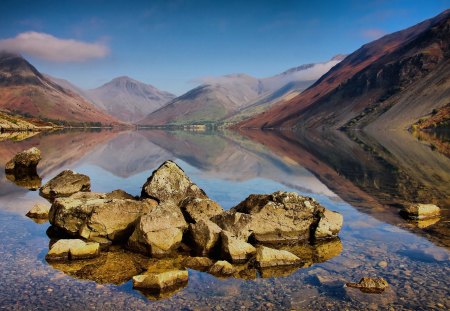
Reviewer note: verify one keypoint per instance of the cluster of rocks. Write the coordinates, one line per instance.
(173, 216)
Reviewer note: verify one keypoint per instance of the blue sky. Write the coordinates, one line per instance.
(171, 44)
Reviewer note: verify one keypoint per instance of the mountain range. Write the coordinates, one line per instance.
(233, 97)
(393, 82)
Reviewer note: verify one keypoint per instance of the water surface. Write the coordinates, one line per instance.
(366, 178)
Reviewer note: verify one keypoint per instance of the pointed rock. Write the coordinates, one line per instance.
(24, 162)
(39, 211)
(269, 257)
(235, 249)
(222, 267)
(329, 225)
(205, 235)
(170, 183)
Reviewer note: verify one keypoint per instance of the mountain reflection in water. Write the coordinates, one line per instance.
(366, 178)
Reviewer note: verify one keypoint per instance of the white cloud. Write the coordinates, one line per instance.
(55, 49)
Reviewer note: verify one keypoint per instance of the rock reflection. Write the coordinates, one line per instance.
(30, 182)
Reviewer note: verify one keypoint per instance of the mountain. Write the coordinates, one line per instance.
(25, 91)
(389, 83)
(127, 99)
(227, 98)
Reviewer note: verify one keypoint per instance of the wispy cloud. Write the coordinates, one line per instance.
(373, 33)
(54, 49)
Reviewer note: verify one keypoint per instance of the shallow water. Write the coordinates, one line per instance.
(364, 178)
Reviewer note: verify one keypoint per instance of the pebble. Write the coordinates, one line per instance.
(382, 264)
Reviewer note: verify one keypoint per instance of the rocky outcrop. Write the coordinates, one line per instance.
(39, 211)
(205, 234)
(195, 209)
(65, 184)
(73, 249)
(421, 211)
(91, 215)
(269, 257)
(160, 231)
(24, 163)
(160, 281)
(279, 217)
(370, 285)
(170, 183)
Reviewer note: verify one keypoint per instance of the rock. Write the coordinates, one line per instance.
(205, 235)
(195, 209)
(39, 211)
(160, 231)
(269, 257)
(90, 215)
(382, 264)
(197, 263)
(73, 249)
(170, 183)
(235, 249)
(24, 162)
(329, 225)
(277, 217)
(222, 267)
(236, 223)
(160, 281)
(421, 211)
(119, 194)
(65, 184)
(370, 285)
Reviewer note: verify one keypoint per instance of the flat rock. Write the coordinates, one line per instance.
(222, 267)
(160, 281)
(170, 183)
(197, 263)
(269, 257)
(90, 215)
(160, 231)
(39, 211)
(24, 162)
(421, 211)
(65, 184)
(235, 249)
(205, 235)
(195, 209)
(67, 249)
(370, 285)
(330, 224)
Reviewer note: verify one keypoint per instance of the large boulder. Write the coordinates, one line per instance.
(65, 184)
(205, 234)
(160, 281)
(160, 231)
(329, 225)
(274, 218)
(421, 211)
(67, 249)
(24, 162)
(195, 209)
(235, 249)
(92, 215)
(170, 183)
(269, 257)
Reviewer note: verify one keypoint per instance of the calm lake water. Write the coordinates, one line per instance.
(363, 177)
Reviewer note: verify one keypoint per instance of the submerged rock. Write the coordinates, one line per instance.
(24, 162)
(170, 183)
(160, 231)
(269, 257)
(234, 249)
(66, 249)
(195, 209)
(91, 215)
(370, 285)
(205, 234)
(39, 211)
(222, 268)
(421, 211)
(198, 263)
(161, 281)
(65, 184)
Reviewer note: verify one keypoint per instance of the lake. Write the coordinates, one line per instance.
(366, 178)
